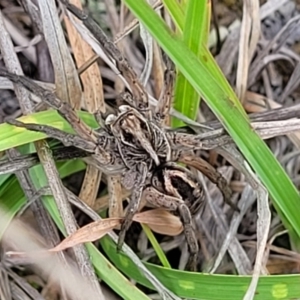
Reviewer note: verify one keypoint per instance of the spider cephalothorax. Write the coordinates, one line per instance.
(137, 132)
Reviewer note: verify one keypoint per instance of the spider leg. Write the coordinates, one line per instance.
(135, 200)
(158, 199)
(211, 173)
(63, 108)
(185, 141)
(164, 103)
(68, 139)
(140, 97)
(190, 235)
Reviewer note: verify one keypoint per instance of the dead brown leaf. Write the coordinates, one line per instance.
(160, 221)
(88, 233)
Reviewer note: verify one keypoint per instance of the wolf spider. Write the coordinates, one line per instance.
(134, 143)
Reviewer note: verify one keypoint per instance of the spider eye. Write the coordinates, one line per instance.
(124, 108)
(110, 119)
(142, 106)
(102, 140)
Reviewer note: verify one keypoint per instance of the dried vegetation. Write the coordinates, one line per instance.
(257, 48)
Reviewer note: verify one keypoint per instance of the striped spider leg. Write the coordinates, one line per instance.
(176, 189)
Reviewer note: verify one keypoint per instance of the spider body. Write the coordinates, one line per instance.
(136, 146)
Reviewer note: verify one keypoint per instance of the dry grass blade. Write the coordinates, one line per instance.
(263, 221)
(115, 201)
(270, 6)
(25, 45)
(158, 220)
(5, 291)
(158, 71)
(271, 129)
(67, 215)
(66, 78)
(93, 101)
(258, 103)
(227, 235)
(227, 56)
(91, 78)
(88, 37)
(21, 285)
(90, 185)
(274, 45)
(263, 227)
(292, 84)
(231, 243)
(103, 201)
(249, 36)
(148, 44)
(12, 64)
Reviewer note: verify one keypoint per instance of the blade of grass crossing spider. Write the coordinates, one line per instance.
(159, 252)
(226, 107)
(12, 198)
(195, 34)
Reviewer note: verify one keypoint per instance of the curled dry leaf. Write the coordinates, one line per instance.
(88, 233)
(160, 221)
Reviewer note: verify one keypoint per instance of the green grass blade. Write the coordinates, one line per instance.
(207, 286)
(159, 252)
(226, 107)
(176, 12)
(186, 98)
